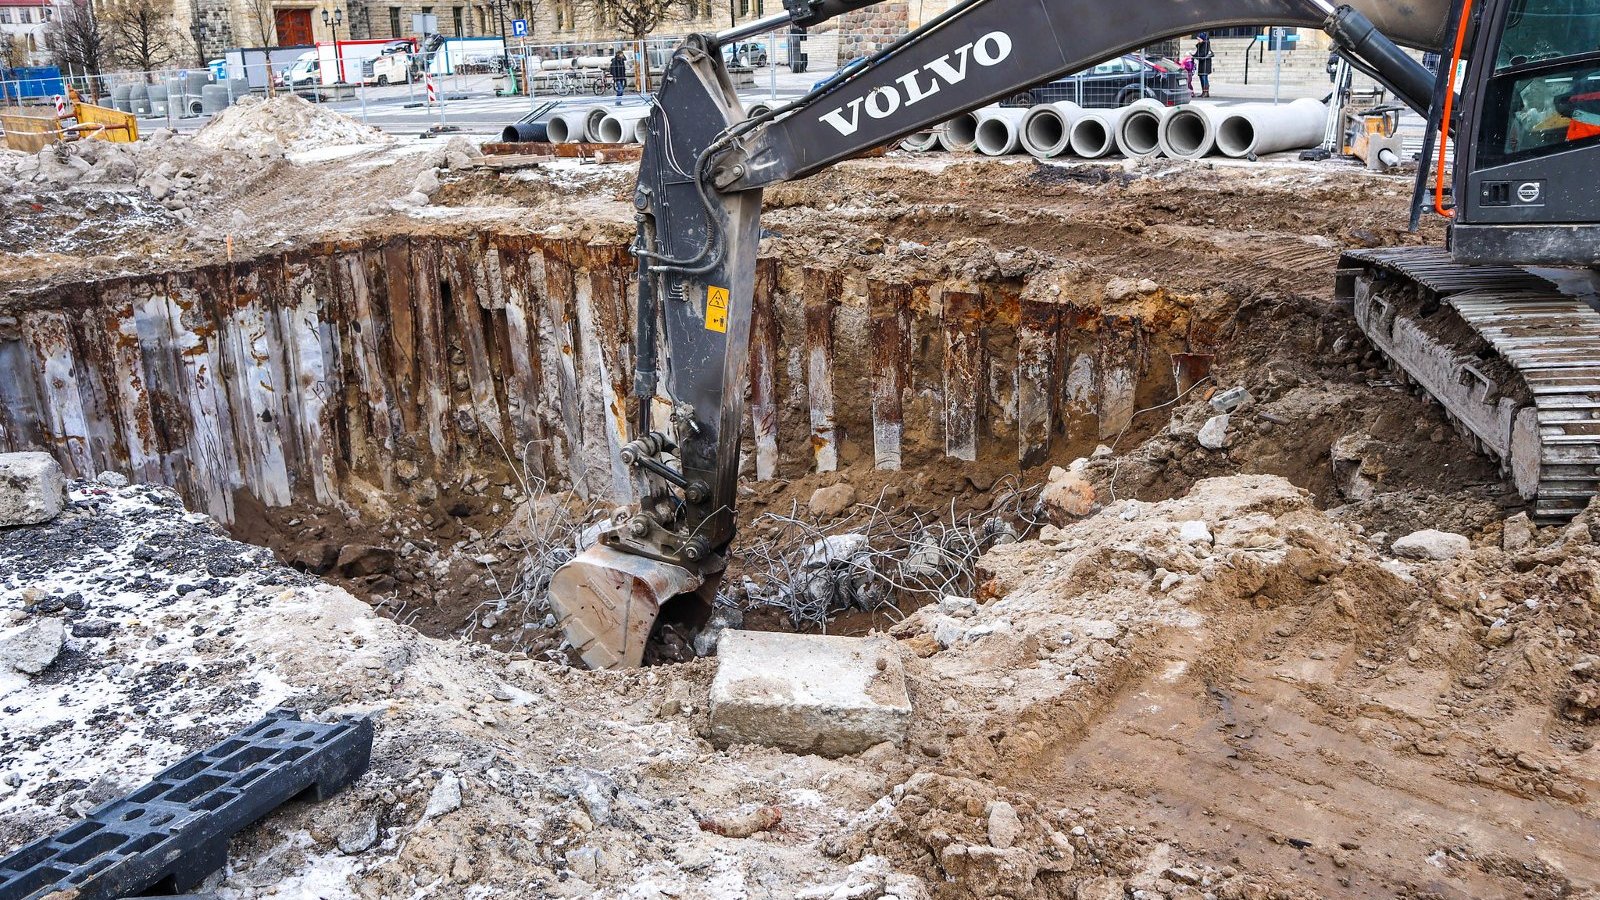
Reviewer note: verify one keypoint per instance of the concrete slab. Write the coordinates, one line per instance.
(821, 694)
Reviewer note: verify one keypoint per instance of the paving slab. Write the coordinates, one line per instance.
(821, 694)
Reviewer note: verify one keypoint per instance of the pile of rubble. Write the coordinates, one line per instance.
(1137, 653)
(286, 123)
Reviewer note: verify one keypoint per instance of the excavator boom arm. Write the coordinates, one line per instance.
(698, 200)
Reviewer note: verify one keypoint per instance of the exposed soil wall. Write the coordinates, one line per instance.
(409, 365)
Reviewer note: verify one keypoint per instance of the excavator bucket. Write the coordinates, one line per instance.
(607, 603)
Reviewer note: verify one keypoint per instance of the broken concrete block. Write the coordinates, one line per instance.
(445, 799)
(31, 648)
(1004, 825)
(808, 693)
(1229, 400)
(959, 607)
(1194, 531)
(1431, 544)
(32, 488)
(1213, 435)
(1518, 533)
(828, 502)
(1067, 496)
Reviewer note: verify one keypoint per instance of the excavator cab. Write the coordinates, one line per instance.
(1528, 136)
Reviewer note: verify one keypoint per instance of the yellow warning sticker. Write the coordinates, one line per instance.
(717, 309)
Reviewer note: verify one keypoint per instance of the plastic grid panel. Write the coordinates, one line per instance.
(169, 835)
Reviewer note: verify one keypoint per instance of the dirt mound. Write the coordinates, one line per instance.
(287, 122)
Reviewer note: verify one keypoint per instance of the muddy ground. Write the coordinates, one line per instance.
(1284, 707)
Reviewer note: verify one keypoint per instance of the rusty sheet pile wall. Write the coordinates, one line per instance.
(338, 370)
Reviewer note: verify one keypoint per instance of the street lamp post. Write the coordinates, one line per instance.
(334, 20)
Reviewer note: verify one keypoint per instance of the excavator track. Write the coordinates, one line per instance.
(1513, 359)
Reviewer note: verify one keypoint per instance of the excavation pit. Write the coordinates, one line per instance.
(365, 409)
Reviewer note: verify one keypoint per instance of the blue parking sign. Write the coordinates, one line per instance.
(519, 27)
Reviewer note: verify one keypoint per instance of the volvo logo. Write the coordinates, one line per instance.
(1528, 191)
(919, 84)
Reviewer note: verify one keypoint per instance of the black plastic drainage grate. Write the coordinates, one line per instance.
(168, 836)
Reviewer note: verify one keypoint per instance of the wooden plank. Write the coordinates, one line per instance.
(764, 370)
(1037, 379)
(963, 369)
(889, 308)
(821, 294)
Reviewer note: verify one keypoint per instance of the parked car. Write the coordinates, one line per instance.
(1115, 82)
(749, 56)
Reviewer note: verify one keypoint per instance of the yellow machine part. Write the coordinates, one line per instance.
(114, 125)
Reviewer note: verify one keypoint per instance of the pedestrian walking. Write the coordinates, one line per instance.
(1188, 71)
(1202, 62)
(619, 74)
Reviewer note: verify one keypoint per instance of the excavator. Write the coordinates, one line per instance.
(1502, 325)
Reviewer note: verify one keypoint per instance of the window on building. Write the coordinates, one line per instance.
(459, 20)
(744, 7)
(27, 16)
(5, 16)
(394, 21)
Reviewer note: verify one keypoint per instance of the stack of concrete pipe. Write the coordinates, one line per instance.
(620, 125)
(1142, 129)
(605, 124)
(1247, 130)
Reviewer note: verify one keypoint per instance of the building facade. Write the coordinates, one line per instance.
(25, 27)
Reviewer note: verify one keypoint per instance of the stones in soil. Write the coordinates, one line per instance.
(32, 488)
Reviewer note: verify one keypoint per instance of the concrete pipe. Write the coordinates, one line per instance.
(921, 141)
(960, 133)
(566, 127)
(998, 130)
(193, 106)
(1190, 132)
(1094, 134)
(618, 126)
(1046, 130)
(1139, 135)
(641, 130)
(1261, 128)
(214, 98)
(583, 62)
(756, 109)
(592, 120)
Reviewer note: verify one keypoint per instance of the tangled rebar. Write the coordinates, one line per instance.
(879, 559)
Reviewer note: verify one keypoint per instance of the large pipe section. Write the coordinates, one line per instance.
(997, 131)
(1094, 134)
(1260, 128)
(567, 126)
(960, 134)
(619, 125)
(591, 122)
(1046, 129)
(1139, 133)
(1190, 132)
(921, 141)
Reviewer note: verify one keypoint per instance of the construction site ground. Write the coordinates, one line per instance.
(1220, 678)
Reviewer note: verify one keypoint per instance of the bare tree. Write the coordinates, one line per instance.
(636, 19)
(77, 40)
(143, 34)
(263, 22)
(13, 53)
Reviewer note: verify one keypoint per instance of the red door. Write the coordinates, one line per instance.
(294, 27)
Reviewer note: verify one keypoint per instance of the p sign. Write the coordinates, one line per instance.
(519, 27)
